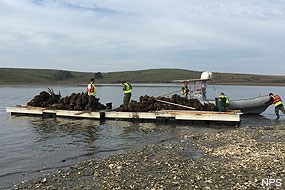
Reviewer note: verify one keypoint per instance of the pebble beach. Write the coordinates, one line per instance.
(241, 158)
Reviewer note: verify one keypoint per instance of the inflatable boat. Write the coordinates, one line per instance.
(251, 106)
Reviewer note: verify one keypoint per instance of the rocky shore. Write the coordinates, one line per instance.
(242, 158)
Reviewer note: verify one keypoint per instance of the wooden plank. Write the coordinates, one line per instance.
(82, 112)
(42, 111)
(200, 112)
(119, 115)
(130, 115)
(208, 117)
(70, 113)
(203, 115)
(196, 115)
(24, 110)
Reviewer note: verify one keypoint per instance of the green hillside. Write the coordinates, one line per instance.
(16, 76)
(150, 75)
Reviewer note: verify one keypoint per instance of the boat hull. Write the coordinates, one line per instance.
(250, 106)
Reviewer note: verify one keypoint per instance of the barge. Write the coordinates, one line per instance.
(231, 117)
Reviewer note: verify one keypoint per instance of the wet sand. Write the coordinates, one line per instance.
(243, 158)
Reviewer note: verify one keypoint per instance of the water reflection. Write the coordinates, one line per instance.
(89, 138)
(60, 126)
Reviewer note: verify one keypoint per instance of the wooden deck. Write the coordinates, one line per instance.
(165, 115)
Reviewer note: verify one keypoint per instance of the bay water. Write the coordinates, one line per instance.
(32, 146)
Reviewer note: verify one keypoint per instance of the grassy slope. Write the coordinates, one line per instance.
(46, 76)
(151, 75)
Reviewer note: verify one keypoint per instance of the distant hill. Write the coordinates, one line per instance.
(17, 76)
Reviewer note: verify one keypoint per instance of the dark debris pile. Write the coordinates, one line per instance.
(76, 101)
(150, 103)
(79, 101)
(44, 99)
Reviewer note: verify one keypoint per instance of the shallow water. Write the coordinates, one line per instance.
(31, 146)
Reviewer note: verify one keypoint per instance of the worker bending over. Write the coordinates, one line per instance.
(226, 99)
(276, 100)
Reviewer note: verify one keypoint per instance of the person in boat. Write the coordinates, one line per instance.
(276, 100)
(185, 90)
(91, 91)
(226, 99)
(127, 88)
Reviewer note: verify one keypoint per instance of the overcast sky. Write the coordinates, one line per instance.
(233, 36)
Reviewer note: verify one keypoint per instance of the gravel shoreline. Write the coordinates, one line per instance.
(243, 158)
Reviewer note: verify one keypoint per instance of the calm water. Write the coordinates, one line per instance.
(31, 146)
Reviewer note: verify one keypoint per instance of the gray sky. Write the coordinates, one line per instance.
(239, 36)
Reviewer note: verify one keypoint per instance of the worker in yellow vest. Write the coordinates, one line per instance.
(91, 91)
(226, 99)
(185, 90)
(127, 88)
(276, 100)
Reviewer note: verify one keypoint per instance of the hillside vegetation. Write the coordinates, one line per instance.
(15, 76)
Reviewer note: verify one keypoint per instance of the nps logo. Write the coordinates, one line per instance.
(270, 182)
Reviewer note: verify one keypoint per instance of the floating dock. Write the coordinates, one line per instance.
(165, 115)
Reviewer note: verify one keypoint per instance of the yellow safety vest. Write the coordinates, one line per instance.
(185, 91)
(127, 88)
(227, 99)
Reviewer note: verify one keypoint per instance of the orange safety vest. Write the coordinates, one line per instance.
(92, 90)
(276, 100)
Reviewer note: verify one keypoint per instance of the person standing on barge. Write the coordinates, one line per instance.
(127, 88)
(91, 91)
(185, 90)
